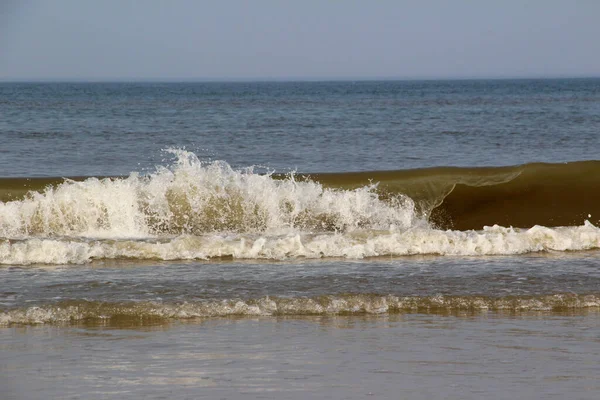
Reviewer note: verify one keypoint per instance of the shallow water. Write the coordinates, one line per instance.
(104, 292)
(498, 356)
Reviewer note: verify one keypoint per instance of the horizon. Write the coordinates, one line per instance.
(296, 79)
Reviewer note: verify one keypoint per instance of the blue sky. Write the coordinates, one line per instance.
(306, 39)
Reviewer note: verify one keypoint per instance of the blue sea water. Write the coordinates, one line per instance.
(114, 128)
(94, 304)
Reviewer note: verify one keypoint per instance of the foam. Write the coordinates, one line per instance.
(143, 312)
(356, 244)
(193, 197)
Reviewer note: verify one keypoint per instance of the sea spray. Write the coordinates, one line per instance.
(192, 197)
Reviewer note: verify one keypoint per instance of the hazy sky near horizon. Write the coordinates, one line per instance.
(308, 39)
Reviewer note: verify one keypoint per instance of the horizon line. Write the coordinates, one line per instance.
(286, 79)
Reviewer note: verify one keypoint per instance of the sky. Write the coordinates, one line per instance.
(302, 39)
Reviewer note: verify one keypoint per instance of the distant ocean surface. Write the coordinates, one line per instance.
(439, 239)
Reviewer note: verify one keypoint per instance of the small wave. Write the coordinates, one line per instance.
(351, 304)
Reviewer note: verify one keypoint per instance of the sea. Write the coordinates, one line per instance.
(434, 239)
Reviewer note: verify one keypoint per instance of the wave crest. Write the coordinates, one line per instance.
(192, 197)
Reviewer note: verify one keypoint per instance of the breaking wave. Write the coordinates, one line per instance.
(199, 210)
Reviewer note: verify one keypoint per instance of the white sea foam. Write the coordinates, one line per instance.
(194, 197)
(195, 210)
(357, 244)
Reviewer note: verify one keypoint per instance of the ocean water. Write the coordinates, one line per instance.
(395, 239)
